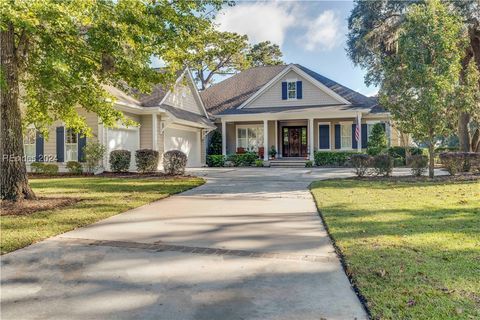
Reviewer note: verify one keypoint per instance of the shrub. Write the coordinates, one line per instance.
(120, 160)
(419, 164)
(272, 152)
(243, 160)
(472, 161)
(455, 162)
(377, 142)
(45, 168)
(147, 160)
(74, 167)
(174, 162)
(360, 162)
(308, 164)
(382, 165)
(215, 144)
(94, 153)
(215, 160)
(258, 163)
(340, 158)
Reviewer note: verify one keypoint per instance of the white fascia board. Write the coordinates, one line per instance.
(287, 116)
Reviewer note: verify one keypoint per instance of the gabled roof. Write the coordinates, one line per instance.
(226, 96)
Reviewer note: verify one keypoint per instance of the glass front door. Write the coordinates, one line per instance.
(294, 141)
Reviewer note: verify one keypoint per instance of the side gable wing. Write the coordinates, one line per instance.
(308, 92)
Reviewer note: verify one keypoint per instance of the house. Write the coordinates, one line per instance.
(168, 120)
(294, 109)
(290, 107)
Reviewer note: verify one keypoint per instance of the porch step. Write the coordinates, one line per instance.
(287, 163)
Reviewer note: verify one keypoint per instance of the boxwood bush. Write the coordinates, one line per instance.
(419, 164)
(455, 162)
(174, 162)
(326, 158)
(360, 162)
(215, 160)
(120, 160)
(147, 160)
(246, 159)
(382, 165)
(74, 167)
(45, 168)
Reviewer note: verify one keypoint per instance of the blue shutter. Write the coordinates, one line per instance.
(354, 141)
(60, 144)
(338, 144)
(284, 91)
(39, 142)
(384, 127)
(324, 136)
(82, 142)
(364, 135)
(299, 89)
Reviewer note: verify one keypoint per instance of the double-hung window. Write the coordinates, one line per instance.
(29, 141)
(71, 145)
(292, 89)
(250, 138)
(346, 135)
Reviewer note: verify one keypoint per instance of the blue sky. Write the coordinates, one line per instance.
(311, 33)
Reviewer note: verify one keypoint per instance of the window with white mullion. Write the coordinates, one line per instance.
(71, 145)
(250, 138)
(292, 89)
(29, 141)
(346, 135)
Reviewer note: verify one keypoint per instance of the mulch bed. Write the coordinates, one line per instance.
(107, 174)
(26, 207)
(446, 178)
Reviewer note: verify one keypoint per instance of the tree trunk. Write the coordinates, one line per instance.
(463, 132)
(13, 178)
(476, 141)
(431, 156)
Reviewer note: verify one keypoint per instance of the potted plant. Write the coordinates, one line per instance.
(272, 152)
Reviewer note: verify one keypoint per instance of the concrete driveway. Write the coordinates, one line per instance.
(246, 245)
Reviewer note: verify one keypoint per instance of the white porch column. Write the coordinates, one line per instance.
(224, 138)
(359, 124)
(310, 138)
(265, 140)
(154, 132)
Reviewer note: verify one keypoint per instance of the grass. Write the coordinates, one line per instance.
(411, 248)
(101, 198)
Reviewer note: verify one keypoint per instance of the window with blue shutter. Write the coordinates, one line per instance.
(324, 136)
(299, 90)
(82, 142)
(284, 91)
(60, 138)
(337, 137)
(39, 143)
(354, 140)
(364, 135)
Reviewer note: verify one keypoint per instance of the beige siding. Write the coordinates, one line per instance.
(271, 135)
(146, 131)
(203, 150)
(311, 94)
(183, 97)
(231, 138)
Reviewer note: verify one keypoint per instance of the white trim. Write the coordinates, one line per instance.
(154, 132)
(315, 82)
(311, 138)
(224, 138)
(265, 140)
(197, 94)
(296, 89)
(65, 129)
(351, 135)
(329, 136)
(276, 138)
(247, 126)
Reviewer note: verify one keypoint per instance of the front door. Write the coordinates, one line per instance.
(294, 141)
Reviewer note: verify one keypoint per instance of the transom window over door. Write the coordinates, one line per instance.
(250, 138)
(292, 89)
(71, 145)
(29, 144)
(346, 135)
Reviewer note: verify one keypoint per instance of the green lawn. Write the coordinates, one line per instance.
(103, 197)
(412, 248)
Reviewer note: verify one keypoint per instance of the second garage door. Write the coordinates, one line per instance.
(186, 140)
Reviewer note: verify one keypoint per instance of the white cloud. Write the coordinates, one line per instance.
(261, 21)
(324, 33)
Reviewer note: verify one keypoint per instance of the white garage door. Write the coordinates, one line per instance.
(186, 140)
(125, 139)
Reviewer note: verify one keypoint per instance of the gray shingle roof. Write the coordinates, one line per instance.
(226, 96)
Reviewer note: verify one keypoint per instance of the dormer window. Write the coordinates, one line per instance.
(292, 89)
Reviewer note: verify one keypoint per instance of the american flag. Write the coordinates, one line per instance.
(357, 129)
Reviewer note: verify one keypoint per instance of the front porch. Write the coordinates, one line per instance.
(292, 138)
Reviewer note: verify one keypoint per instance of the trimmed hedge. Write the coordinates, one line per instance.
(74, 167)
(246, 159)
(147, 160)
(360, 162)
(455, 162)
(400, 153)
(215, 160)
(45, 168)
(382, 165)
(174, 162)
(325, 158)
(419, 164)
(120, 160)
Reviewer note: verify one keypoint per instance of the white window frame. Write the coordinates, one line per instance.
(329, 136)
(346, 123)
(67, 144)
(288, 90)
(249, 126)
(30, 157)
(388, 132)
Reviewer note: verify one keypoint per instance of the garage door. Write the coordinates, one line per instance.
(125, 139)
(186, 140)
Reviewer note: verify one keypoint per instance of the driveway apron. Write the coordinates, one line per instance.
(246, 245)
